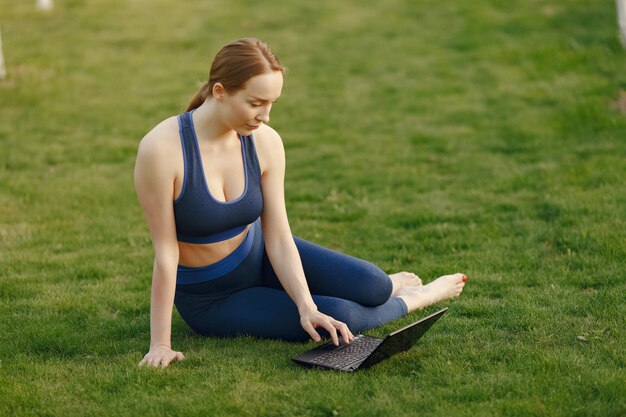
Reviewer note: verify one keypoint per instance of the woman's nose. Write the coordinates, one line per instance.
(264, 113)
(263, 117)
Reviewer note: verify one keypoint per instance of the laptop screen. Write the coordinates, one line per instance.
(402, 339)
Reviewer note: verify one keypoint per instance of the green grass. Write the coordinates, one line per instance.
(425, 136)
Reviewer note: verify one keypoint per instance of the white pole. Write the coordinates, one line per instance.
(44, 5)
(621, 19)
(3, 69)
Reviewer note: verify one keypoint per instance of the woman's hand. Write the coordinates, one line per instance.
(162, 356)
(311, 319)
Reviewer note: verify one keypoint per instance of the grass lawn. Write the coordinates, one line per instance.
(434, 137)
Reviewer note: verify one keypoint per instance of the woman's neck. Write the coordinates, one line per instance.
(209, 125)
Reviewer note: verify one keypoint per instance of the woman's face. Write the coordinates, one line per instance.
(247, 108)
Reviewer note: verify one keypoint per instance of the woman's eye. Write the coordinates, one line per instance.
(255, 104)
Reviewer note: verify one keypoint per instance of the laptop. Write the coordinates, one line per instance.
(365, 351)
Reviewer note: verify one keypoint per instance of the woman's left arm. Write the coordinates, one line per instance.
(280, 246)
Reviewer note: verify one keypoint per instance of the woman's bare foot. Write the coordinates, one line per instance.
(443, 288)
(403, 280)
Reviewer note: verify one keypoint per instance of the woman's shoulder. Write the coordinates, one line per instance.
(162, 139)
(267, 139)
(269, 147)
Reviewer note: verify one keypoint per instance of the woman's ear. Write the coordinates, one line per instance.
(218, 91)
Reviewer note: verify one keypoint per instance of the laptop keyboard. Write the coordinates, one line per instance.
(349, 355)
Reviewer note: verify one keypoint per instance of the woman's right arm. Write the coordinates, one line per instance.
(155, 174)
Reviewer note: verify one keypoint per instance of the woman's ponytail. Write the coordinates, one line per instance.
(199, 98)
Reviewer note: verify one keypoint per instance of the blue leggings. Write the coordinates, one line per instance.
(242, 295)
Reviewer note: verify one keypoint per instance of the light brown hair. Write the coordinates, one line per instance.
(236, 63)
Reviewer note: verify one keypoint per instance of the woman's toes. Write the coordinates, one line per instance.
(461, 276)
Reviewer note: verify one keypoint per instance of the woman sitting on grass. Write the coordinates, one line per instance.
(213, 196)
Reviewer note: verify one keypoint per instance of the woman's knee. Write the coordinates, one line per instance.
(376, 283)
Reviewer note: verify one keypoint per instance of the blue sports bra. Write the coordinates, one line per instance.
(200, 218)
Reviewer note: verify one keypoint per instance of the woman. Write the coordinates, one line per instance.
(213, 196)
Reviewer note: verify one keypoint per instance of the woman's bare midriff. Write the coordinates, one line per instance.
(195, 255)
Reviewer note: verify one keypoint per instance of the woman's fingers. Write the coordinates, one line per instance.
(169, 358)
(322, 321)
(310, 329)
(161, 359)
(346, 334)
(166, 361)
(147, 360)
(309, 323)
(332, 331)
(177, 356)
